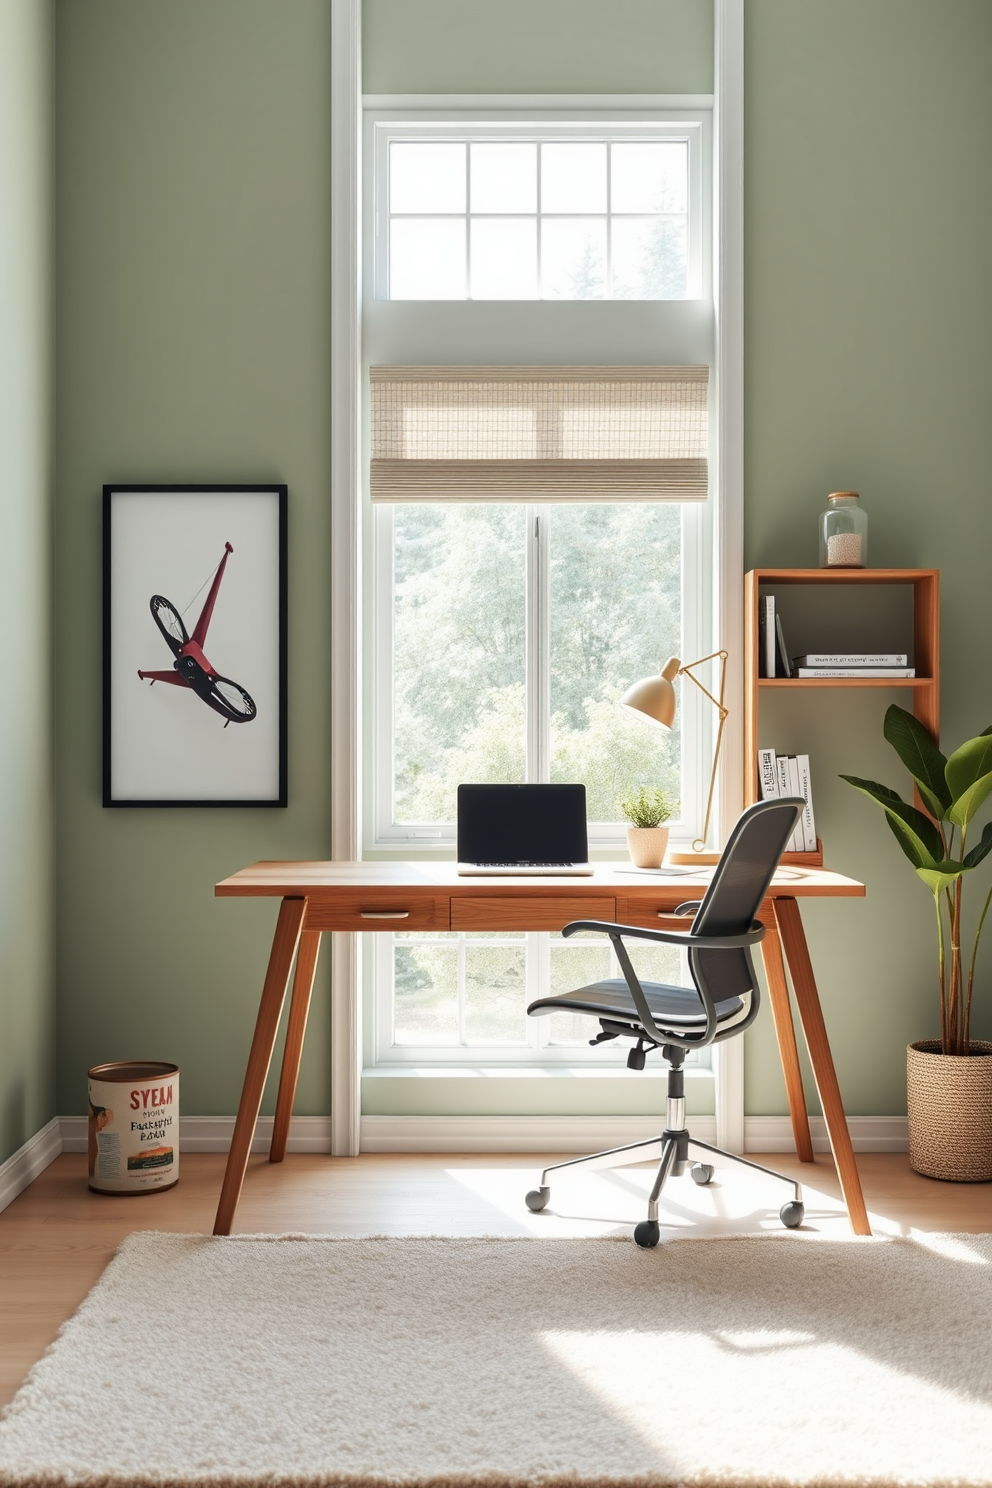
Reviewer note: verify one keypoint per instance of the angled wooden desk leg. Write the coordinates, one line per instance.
(785, 1032)
(284, 944)
(299, 1007)
(814, 1030)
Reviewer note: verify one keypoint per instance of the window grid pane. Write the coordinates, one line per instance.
(611, 218)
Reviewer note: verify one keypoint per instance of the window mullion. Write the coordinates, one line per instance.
(538, 644)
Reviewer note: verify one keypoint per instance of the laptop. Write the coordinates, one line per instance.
(522, 829)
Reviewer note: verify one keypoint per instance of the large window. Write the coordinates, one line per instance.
(506, 634)
(502, 633)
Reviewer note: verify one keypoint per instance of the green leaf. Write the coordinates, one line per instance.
(916, 748)
(969, 775)
(915, 849)
(913, 829)
(981, 849)
(941, 876)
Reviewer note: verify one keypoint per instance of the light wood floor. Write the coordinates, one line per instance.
(56, 1238)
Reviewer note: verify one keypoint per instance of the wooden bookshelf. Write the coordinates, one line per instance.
(924, 687)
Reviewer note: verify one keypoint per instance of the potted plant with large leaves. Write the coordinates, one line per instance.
(949, 1080)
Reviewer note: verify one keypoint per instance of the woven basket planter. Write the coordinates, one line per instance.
(950, 1111)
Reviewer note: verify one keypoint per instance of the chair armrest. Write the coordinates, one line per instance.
(673, 937)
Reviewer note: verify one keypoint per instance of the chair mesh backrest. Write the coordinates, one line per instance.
(740, 881)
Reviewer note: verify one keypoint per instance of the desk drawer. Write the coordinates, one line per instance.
(526, 912)
(655, 912)
(377, 911)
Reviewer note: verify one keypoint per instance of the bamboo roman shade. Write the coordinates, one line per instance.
(539, 433)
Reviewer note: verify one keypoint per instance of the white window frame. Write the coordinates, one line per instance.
(346, 489)
(609, 120)
(541, 126)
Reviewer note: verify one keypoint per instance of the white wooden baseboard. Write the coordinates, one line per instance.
(513, 1133)
(24, 1165)
(868, 1134)
(591, 1133)
(214, 1133)
(500, 1134)
(452, 1134)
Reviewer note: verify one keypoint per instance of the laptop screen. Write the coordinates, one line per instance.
(522, 824)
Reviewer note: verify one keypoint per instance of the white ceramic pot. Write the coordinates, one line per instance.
(647, 846)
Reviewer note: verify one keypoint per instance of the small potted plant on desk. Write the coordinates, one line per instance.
(949, 1080)
(647, 839)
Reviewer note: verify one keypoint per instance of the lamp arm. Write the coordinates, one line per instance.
(723, 711)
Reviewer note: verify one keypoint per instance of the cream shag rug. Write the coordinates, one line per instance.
(313, 1361)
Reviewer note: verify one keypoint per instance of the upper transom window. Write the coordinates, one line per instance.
(600, 213)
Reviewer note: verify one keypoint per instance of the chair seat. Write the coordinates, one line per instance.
(670, 1007)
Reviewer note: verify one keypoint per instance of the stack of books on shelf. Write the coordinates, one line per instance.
(774, 660)
(788, 775)
(854, 664)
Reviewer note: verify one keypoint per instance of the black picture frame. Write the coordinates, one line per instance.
(206, 736)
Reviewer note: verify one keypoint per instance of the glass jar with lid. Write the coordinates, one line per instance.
(843, 532)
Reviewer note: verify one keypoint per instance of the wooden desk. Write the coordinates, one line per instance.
(430, 896)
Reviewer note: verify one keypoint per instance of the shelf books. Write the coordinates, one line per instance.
(788, 775)
(854, 659)
(860, 671)
(773, 658)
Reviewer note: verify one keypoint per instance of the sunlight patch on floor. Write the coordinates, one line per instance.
(608, 1202)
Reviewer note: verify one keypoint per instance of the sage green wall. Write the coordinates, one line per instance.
(193, 339)
(537, 46)
(193, 149)
(27, 980)
(868, 313)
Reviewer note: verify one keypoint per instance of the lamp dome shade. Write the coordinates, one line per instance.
(653, 698)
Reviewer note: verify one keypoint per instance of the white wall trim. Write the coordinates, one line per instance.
(510, 1134)
(24, 1165)
(728, 299)
(556, 101)
(544, 1134)
(346, 108)
(548, 1134)
(868, 1134)
(214, 1133)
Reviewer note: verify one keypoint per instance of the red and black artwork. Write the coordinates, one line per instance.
(191, 668)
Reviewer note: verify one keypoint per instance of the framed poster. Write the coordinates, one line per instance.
(194, 646)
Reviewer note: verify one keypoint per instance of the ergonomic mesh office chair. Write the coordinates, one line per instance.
(722, 1002)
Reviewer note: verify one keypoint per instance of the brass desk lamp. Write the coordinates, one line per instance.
(653, 698)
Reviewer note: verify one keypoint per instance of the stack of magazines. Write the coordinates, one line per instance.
(788, 775)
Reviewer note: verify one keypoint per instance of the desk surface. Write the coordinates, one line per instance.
(322, 880)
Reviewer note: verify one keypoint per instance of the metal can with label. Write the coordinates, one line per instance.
(133, 1127)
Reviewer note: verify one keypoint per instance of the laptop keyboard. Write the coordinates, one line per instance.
(523, 863)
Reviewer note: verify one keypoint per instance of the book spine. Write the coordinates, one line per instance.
(769, 635)
(808, 825)
(767, 774)
(784, 788)
(784, 665)
(855, 659)
(797, 840)
(879, 672)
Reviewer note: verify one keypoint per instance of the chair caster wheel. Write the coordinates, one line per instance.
(537, 1199)
(702, 1173)
(647, 1233)
(792, 1214)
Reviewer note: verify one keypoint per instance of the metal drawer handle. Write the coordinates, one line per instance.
(385, 914)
